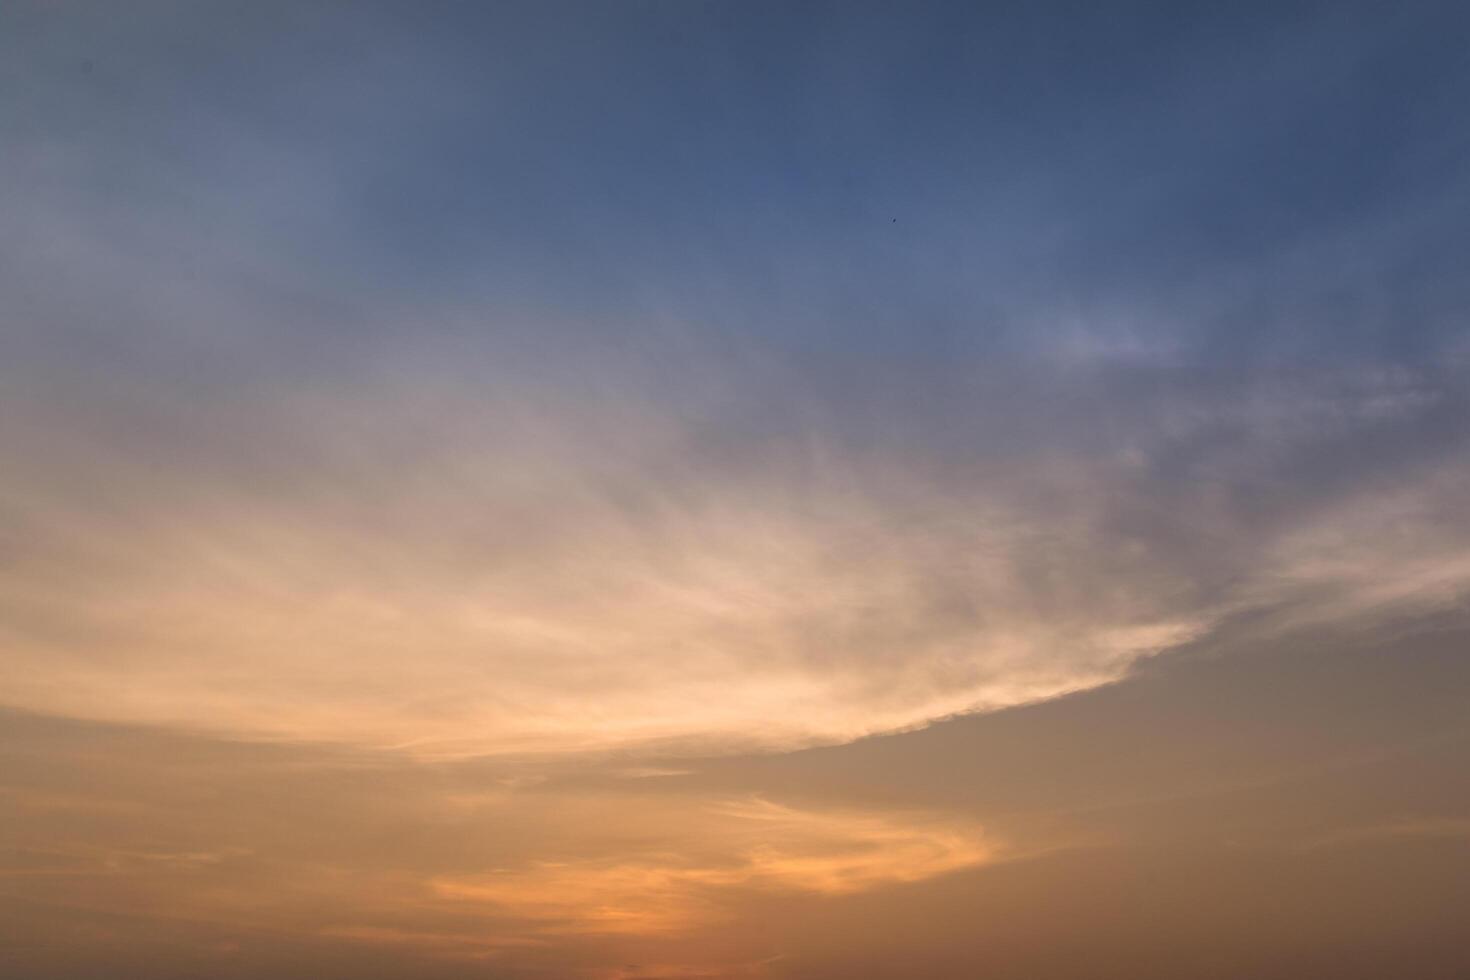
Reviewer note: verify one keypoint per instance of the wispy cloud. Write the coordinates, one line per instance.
(741, 846)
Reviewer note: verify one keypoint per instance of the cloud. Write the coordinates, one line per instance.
(420, 861)
(509, 554)
(1406, 829)
(379, 420)
(544, 572)
(742, 846)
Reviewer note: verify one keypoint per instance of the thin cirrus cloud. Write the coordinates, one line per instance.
(517, 873)
(527, 593)
(492, 530)
(481, 565)
(751, 845)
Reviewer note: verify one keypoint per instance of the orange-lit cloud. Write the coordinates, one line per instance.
(753, 845)
(549, 575)
(435, 567)
(446, 875)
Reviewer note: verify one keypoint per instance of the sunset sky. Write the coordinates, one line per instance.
(706, 490)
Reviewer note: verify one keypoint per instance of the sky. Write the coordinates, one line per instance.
(813, 491)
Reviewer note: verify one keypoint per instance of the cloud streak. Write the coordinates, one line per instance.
(498, 558)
